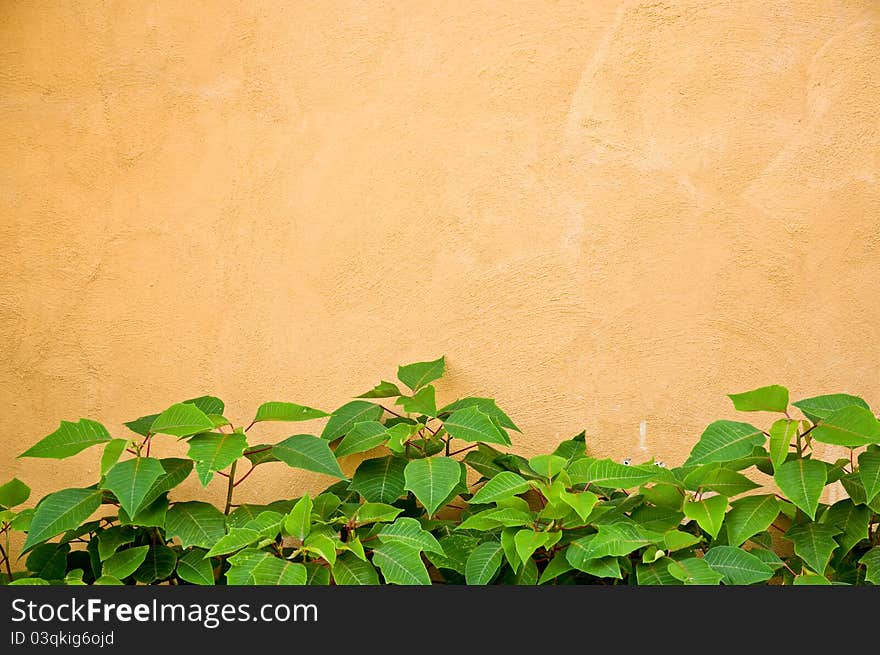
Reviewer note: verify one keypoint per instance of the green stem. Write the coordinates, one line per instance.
(230, 487)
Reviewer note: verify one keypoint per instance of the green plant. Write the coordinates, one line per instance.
(439, 500)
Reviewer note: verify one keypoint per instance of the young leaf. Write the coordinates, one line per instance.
(321, 545)
(725, 440)
(278, 411)
(432, 480)
(677, 540)
(125, 562)
(215, 451)
(869, 472)
(401, 564)
(195, 568)
(364, 436)
(112, 452)
(782, 432)
(708, 513)
(737, 566)
(308, 452)
(421, 402)
(802, 481)
(69, 439)
(821, 407)
(471, 424)
(766, 399)
(298, 523)
(350, 570)
(528, 541)
(182, 420)
(547, 465)
(380, 480)
(814, 543)
(382, 390)
(344, 418)
(376, 513)
(417, 375)
(131, 480)
(409, 532)
(693, 571)
(851, 426)
(483, 563)
(141, 425)
(485, 405)
(195, 524)
(503, 485)
(59, 512)
(749, 516)
(14, 493)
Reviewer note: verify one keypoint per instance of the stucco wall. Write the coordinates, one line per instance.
(604, 213)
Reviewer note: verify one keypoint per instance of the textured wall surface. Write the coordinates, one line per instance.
(605, 213)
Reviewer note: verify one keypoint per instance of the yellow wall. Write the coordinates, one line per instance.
(602, 212)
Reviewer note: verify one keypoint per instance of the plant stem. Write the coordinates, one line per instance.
(244, 477)
(392, 412)
(149, 441)
(230, 487)
(6, 562)
(461, 450)
(254, 451)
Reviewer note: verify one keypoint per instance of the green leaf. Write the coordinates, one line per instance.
(417, 375)
(716, 478)
(401, 564)
(344, 418)
(485, 405)
(677, 540)
(871, 560)
(29, 582)
(398, 434)
(14, 493)
(195, 568)
(260, 454)
(278, 411)
(208, 404)
(737, 566)
(257, 567)
(851, 426)
(582, 503)
(869, 472)
(110, 539)
(852, 519)
(471, 424)
(655, 574)
(182, 420)
(382, 390)
(409, 532)
(457, 548)
(547, 465)
(693, 571)
(321, 545)
(112, 452)
(782, 432)
(141, 425)
(814, 543)
(376, 513)
(421, 402)
(503, 485)
(380, 480)
(808, 579)
(48, 561)
(725, 440)
(108, 580)
(611, 474)
(557, 566)
(125, 562)
(214, 451)
(237, 539)
(69, 439)
(611, 540)
(766, 399)
(267, 523)
(708, 513)
(364, 436)
(603, 567)
(802, 481)
(483, 563)
(298, 522)
(195, 524)
(432, 480)
(131, 480)
(59, 512)
(749, 516)
(176, 471)
(349, 570)
(152, 515)
(482, 460)
(308, 452)
(821, 407)
(528, 541)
